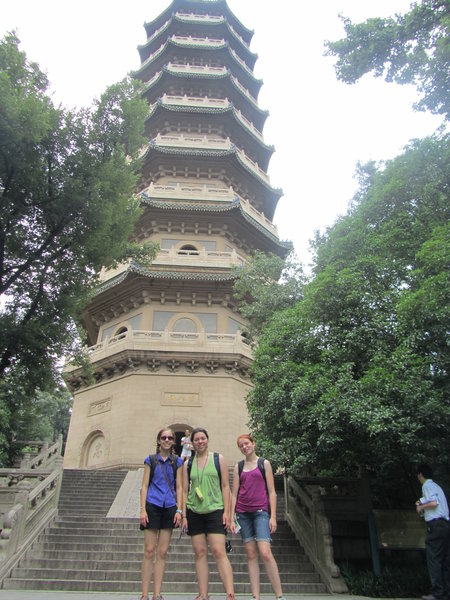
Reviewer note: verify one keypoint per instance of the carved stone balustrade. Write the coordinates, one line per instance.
(28, 501)
(313, 506)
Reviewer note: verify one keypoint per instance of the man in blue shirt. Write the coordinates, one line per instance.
(433, 506)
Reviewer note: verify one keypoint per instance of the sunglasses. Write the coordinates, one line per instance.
(166, 437)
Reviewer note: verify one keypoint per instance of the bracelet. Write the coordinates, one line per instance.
(179, 511)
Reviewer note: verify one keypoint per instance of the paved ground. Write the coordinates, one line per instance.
(33, 595)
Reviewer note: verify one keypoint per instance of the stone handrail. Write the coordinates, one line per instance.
(200, 257)
(190, 140)
(45, 458)
(157, 32)
(243, 64)
(306, 516)
(254, 166)
(208, 101)
(203, 141)
(259, 216)
(244, 89)
(238, 36)
(191, 192)
(28, 501)
(202, 193)
(249, 125)
(196, 17)
(204, 41)
(213, 343)
(195, 100)
(148, 60)
(190, 68)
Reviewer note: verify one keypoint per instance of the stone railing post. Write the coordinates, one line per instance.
(306, 516)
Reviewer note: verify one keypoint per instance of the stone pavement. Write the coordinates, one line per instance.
(43, 595)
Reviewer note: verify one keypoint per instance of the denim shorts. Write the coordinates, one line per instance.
(254, 526)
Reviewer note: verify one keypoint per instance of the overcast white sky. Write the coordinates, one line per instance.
(320, 127)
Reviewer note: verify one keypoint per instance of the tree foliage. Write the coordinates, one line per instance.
(413, 48)
(266, 283)
(67, 180)
(354, 377)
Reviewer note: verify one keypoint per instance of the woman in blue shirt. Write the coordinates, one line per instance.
(160, 513)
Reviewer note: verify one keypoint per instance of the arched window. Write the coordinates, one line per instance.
(94, 449)
(121, 332)
(185, 325)
(189, 250)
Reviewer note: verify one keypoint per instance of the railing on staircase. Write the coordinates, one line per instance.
(28, 501)
(312, 504)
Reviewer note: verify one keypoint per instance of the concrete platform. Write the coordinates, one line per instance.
(42, 595)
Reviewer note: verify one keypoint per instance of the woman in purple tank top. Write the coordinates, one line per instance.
(253, 513)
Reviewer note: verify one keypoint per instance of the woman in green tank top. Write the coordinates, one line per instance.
(206, 512)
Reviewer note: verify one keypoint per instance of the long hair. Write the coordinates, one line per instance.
(158, 441)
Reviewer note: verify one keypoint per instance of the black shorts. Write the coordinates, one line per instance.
(158, 517)
(205, 523)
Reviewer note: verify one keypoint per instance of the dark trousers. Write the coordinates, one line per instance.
(437, 544)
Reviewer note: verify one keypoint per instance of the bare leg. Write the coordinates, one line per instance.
(150, 540)
(201, 562)
(160, 563)
(270, 563)
(217, 544)
(253, 567)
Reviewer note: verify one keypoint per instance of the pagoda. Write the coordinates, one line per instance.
(167, 342)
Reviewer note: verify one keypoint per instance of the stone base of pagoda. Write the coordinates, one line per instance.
(114, 423)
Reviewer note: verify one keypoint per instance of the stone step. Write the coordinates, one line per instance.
(132, 587)
(285, 560)
(127, 564)
(90, 533)
(173, 575)
(114, 547)
(131, 524)
(83, 550)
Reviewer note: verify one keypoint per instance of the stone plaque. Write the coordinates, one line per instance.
(96, 408)
(180, 399)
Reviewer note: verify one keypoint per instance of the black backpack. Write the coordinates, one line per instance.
(153, 463)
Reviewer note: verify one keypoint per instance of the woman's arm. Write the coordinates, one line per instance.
(144, 489)
(184, 495)
(179, 489)
(234, 493)
(225, 491)
(272, 496)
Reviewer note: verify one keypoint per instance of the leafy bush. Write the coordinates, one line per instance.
(402, 576)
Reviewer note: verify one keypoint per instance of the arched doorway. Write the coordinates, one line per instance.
(179, 429)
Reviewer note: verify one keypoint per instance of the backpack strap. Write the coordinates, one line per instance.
(189, 467)
(153, 463)
(263, 472)
(175, 466)
(216, 464)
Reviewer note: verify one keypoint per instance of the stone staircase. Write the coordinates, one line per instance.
(83, 550)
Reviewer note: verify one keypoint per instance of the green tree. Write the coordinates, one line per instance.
(413, 48)
(267, 283)
(67, 209)
(353, 377)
